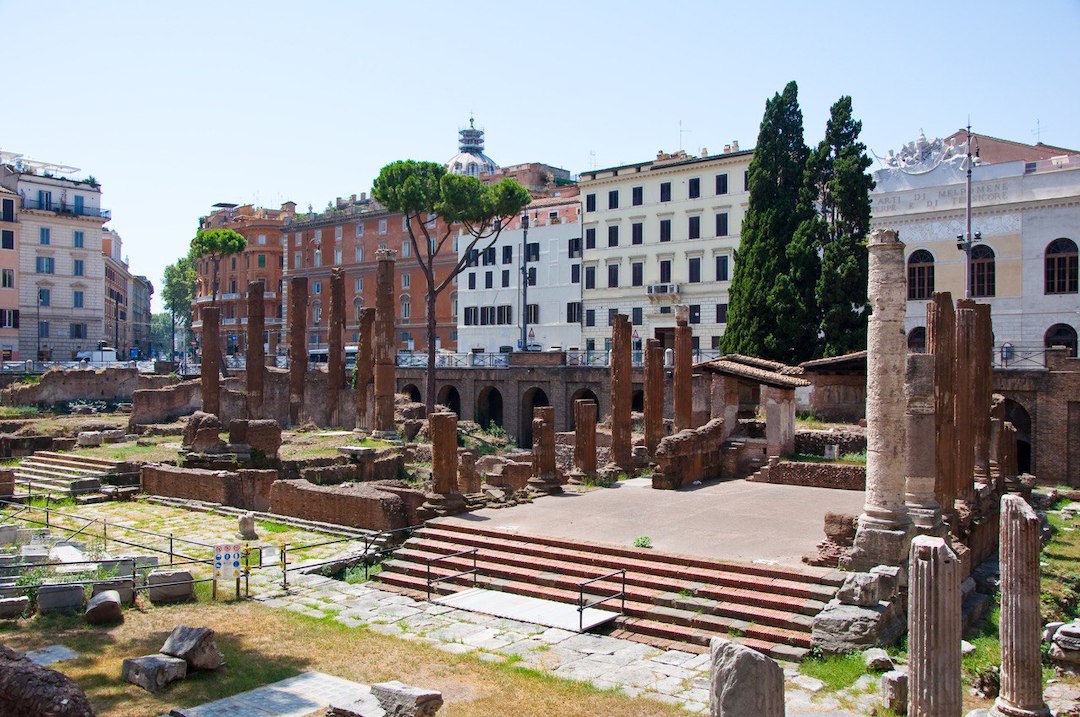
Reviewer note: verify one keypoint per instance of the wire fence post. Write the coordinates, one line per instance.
(247, 572)
(284, 566)
(105, 533)
(170, 550)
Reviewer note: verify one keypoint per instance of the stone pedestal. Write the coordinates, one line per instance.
(621, 395)
(468, 477)
(544, 478)
(884, 527)
(298, 358)
(255, 367)
(365, 365)
(1020, 626)
(934, 629)
(584, 440)
(921, 450)
(335, 360)
(654, 395)
(444, 499)
(683, 379)
(211, 360)
(385, 356)
(941, 342)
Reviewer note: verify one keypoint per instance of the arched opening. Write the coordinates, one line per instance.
(532, 398)
(406, 308)
(1061, 268)
(981, 272)
(489, 407)
(916, 340)
(1061, 335)
(1021, 420)
(413, 393)
(637, 401)
(920, 275)
(449, 397)
(582, 393)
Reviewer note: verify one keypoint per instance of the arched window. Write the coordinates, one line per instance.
(358, 306)
(406, 308)
(1061, 335)
(920, 275)
(316, 313)
(981, 271)
(318, 257)
(1061, 267)
(916, 340)
(454, 305)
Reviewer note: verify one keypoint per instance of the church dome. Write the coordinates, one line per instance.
(471, 160)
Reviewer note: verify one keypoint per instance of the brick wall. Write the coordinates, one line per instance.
(245, 489)
(851, 440)
(818, 475)
(60, 386)
(375, 506)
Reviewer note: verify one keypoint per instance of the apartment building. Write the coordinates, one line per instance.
(9, 275)
(117, 293)
(141, 293)
(490, 317)
(658, 234)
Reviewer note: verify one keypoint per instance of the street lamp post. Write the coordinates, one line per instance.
(967, 240)
(525, 282)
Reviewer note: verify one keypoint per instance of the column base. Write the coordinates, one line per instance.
(437, 505)
(1002, 708)
(877, 544)
(548, 485)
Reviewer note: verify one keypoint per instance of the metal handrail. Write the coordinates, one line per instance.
(475, 572)
(582, 607)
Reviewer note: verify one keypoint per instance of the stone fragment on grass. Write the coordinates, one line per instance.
(894, 684)
(13, 607)
(877, 660)
(170, 586)
(744, 682)
(104, 608)
(30, 689)
(153, 672)
(196, 646)
(401, 700)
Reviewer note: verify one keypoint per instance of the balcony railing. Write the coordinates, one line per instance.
(65, 208)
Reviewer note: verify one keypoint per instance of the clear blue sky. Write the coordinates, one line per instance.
(174, 106)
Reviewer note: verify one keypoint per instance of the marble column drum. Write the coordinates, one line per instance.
(934, 629)
(544, 478)
(584, 440)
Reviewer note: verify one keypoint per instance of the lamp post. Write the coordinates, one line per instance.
(967, 240)
(525, 281)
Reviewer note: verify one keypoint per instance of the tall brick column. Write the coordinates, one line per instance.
(385, 359)
(1020, 625)
(335, 363)
(920, 453)
(544, 478)
(584, 440)
(933, 629)
(882, 537)
(444, 498)
(211, 359)
(298, 357)
(964, 474)
(654, 395)
(982, 370)
(365, 368)
(621, 394)
(255, 366)
(941, 342)
(683, 380)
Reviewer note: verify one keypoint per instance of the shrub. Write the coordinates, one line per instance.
(643, 541)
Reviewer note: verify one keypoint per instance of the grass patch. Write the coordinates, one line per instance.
(857, 459)
(19, 411)
(269, 526)
(838, 672)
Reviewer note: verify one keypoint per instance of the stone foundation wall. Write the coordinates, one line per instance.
(818, 475)
(60, 386)
(162, 405)
(375, 506)
(245, 489)
(813, 442)
(690, 455)
(839, 398)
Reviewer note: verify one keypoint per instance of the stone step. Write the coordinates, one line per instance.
(36, 472)
(692, 639)
(37, 464)
(75, 460)
(69, 486)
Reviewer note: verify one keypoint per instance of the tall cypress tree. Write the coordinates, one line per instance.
(838, 187)
(765, 299)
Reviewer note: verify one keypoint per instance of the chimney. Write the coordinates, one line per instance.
(727, 149)
(734, 145)
(352, 199)
(363, 196)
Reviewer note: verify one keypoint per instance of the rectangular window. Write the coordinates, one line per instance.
(505, 278)
(613, 276)
(590, 202)
(44, 235)
(470, 316)
(637, 273)
(358, 285)
(695, 313)
(636, 316)
(590, 277)
(715, 342)
(382, 226)
(721, 268)
(637, 196)
(693, 189)
(43, 329)
(573, 312)
(746, 181)
(508, 254)
(8, 281)
(613, 199)
(532, 252)
(721, 224)
(573, 249)
(721, 313)
(590, 317)
(262, 259)
(694, 269)
(44, 297)
(665, 230)
(44, 200)
(474, 257)
(611, 314)
(406, 281)
(7, 210)
(359, 229)
(613, 235)
(79, 240)
(9, 318)
(665, 271)
(316, 288)
(298, 260)
(358, 253)
(77, 331)
(489, 256)
(7, 240)
(405, 249)
(721, 184)
(694, 227)
(78, 267)
(489, 279)
(590, 238)
(532, 276)
(532, 313)
(575, 273)
(262, 237)
(665, 192)
(46, 265)
(472, 280)
(637, 233)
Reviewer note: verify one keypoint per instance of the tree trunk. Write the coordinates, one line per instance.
(429, 377)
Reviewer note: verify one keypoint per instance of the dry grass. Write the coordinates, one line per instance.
(263, 645)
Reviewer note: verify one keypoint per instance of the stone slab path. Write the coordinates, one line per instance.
(51, 654)
(294, 697)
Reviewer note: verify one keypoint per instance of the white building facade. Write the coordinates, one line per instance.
(659, 234)
(489, 314)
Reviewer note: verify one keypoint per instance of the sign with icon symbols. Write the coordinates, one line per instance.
(227, 561)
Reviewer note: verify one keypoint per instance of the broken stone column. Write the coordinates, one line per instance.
(982, 378)
(385, 359)
(544, 478)
(654, 396)
(779, 405)
(964, 466)
(941, 342)
(584, 440)
(882, 538)
(621, 395)
(298, 308)
(255, 366)
(211, 359)
(468, 477)
(682, 382)
(934, 628)
(1020, 623)
(921, 436)
(335, 361)
(744, 682)
(365, 365)
(444, 498)
(725, 391)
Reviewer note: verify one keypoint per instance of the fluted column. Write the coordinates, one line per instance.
(1020, 624)
(941, 342)
(934, 629)
(920, 453)
(964, 466)
(982, 378)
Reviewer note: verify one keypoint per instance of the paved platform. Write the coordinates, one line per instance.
(295, 697)
(528, 609)
(728, 520)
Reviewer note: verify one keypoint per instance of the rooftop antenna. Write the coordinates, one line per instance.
(1037, 131)
(592, 159)
(681, 133)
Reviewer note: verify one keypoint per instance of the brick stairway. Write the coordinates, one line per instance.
(63, 474)
(673, 601)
